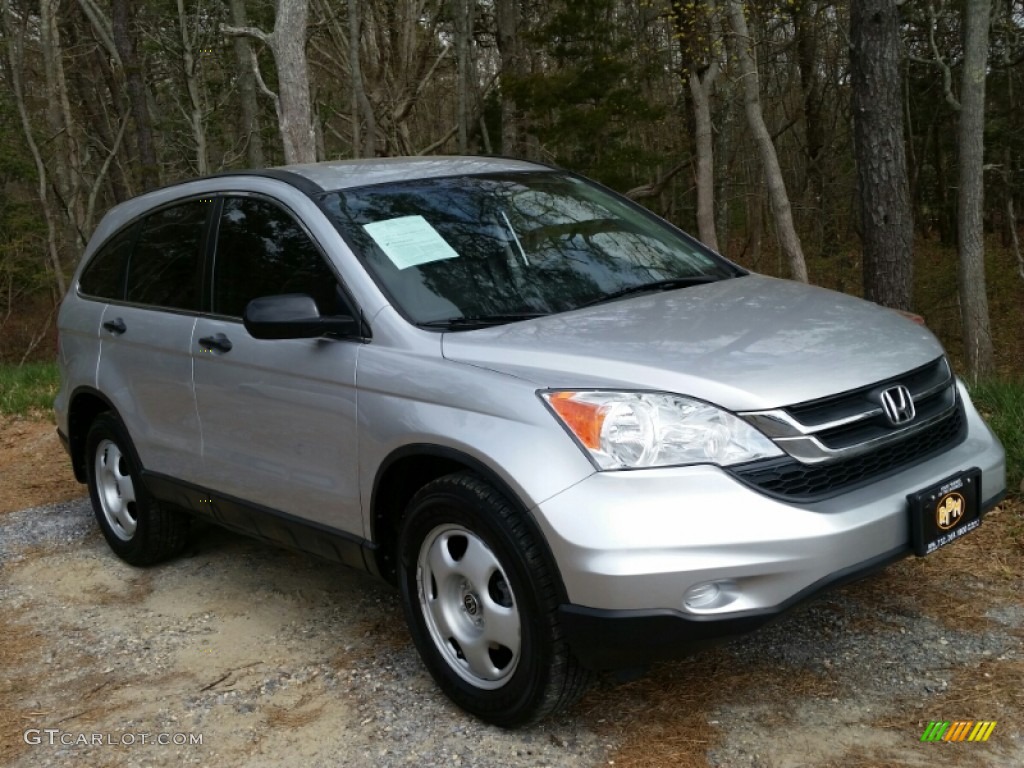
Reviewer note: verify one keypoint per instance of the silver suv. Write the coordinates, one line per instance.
(573, 437)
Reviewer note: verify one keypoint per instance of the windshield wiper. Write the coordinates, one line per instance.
(467, 322)
(657, 285)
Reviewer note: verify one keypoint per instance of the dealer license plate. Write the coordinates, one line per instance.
(943, 513)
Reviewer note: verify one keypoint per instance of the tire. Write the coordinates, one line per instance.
(480, 600)
(136, 527)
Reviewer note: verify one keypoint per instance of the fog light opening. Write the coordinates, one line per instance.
(709, 595)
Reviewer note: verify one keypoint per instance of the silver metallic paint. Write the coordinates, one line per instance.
(749, 343)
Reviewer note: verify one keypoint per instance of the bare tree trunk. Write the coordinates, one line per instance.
(810, 86)
(64, 149)
(362, 109)
(15, 61)
(700, 91)
(722, 166)
(887, 228)
(755, 218)
(188, 62)
(355, 77)
(124, 38)
(507, 15)
(970, 237)
(788, 237)
(247, 89)
(294, 110)
(464, 56)
(1011, 217)
(818, 199)
(289, 47)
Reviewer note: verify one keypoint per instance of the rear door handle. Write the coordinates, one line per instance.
(116, 326)
(220, 342)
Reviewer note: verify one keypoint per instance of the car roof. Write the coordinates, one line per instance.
(345, 174)
(312, 179)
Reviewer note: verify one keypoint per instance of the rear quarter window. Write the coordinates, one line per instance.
(103, 277)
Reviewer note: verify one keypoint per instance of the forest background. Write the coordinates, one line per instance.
(871, 146)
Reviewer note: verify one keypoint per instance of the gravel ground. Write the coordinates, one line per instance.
(273, 657)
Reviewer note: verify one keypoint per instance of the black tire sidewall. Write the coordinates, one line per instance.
(516, 701)
(107, 427)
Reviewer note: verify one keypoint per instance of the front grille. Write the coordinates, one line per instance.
(926, 379)
(795, 481)
(842, 426)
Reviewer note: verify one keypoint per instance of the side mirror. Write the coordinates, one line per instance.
(293, 316)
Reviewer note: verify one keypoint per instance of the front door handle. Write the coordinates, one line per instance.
(220, 343)
(116, 326)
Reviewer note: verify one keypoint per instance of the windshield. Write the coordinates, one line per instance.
(511, 246)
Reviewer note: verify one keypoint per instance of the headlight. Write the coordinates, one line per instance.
(625, 430)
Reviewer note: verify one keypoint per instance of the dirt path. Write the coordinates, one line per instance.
(273, 658)
(34, 468)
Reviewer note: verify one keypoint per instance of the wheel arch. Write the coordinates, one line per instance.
(407, 469)
(86, 404)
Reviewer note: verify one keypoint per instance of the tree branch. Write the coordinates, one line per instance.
(406, 106)
(947, 75)
(253, 32)
(98, 182)
(259, 77)
(440, 142)
(101, 25)
(655, 188)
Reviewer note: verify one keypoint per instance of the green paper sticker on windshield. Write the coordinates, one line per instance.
(410, 241)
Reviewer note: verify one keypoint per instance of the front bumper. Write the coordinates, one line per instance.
(629, 545)
(603, 639)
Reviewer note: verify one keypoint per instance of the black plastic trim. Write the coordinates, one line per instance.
(620, 639)
(264, 523)
(305, 185)
(485, 472)
(76, 438)
(741, 472)
(988, 504)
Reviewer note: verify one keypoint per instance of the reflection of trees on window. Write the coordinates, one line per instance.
(163, 270)
(526, 242)
(262, 251)
(104, 277)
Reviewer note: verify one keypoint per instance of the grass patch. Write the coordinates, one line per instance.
(28, 389)
(1001, 402)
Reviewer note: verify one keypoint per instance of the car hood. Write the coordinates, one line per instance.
(747, 343)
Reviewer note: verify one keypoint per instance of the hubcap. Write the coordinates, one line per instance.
(115, 490)
(468, 606)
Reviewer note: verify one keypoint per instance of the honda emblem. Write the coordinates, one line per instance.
(898, 405)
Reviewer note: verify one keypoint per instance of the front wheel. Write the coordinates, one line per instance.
(480, 601)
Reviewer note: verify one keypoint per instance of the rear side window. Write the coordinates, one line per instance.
(104, 276)
(164, 268)
(262, 251)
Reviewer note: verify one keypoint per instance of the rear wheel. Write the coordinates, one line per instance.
(480, 601)
(135, 526)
